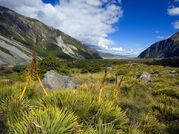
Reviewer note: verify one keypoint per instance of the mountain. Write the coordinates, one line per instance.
(111, 56)
(20, 35)
(163, 49)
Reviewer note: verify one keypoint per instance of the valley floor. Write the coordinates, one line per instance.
(129, 107)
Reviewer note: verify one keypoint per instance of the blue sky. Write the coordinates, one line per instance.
(124, 27)
(53, 2)
(143, 23)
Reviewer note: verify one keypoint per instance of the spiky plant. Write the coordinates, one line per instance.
(117, 86)
(102, 86)
(47, 120)
(111, 113)
(132, 130)
(152, 125)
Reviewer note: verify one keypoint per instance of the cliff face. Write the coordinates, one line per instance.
(163, 49)
(20, 35)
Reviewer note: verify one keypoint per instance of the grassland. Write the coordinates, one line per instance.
(136, 107)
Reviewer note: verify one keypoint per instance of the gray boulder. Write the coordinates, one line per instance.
(53, 80)
(145, 76)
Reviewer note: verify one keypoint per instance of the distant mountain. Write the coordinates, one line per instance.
(20, 35)
(163, 49)
(110, 55)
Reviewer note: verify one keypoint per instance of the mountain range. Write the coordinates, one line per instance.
(167, 48)
(20, 35)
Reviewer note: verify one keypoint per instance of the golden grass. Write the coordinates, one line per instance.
(102, 86)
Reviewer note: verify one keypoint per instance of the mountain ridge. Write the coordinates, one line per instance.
(163, 49)
(24, 34)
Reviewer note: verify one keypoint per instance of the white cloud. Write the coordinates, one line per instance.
(90, 21)
(176, 24)
(174, 11)
(117, 49)
(160, 37)
(121, 51)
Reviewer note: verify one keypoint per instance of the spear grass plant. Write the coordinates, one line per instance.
(142, 108)
(46, 120)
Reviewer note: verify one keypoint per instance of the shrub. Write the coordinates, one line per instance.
(93, 68)
(85, 106)
(49, 120)
(49, 63)
(19, 68)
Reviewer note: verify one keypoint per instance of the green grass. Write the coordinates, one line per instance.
(140, 108)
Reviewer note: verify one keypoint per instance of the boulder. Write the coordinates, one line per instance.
(109, 68)
(53, 80)
(173, 72)
(5, 80)
(145, 76)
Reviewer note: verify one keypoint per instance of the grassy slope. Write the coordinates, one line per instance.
(150, 108)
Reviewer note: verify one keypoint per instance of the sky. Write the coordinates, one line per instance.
(124, 27)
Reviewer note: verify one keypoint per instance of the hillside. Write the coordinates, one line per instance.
(163, 49)
(19, 35)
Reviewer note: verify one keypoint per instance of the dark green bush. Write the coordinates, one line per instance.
(93, 68)
(111, 79)
(19, 68)
(48, 63)
(51, 63)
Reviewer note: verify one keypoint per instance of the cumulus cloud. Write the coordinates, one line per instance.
(176, 24)
(174, 11)
(90, 21)
(121, 51)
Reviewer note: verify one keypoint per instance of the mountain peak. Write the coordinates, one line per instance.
(163, 49)
(20, 35)
(175, 36)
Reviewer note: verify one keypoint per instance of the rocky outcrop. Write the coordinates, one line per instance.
(145, 76)
(163, 49)
(53, 80)
(20, 35)
(12, 52)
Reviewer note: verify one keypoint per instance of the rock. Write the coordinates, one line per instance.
(169, 72)
(109, 68)
(145, 76)
(173, 72)
(53, 80)
(166, 71)
(155, 73)
(5, 80)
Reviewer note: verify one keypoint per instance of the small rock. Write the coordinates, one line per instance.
(5, 80)
(145, 76)
(166, 71)
(109, 68)
(173, 72)
(53, 80)
(155, 72)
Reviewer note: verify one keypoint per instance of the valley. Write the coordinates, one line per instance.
(86, 83)
(137, 107)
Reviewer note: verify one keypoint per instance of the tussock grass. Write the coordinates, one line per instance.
(139, 108)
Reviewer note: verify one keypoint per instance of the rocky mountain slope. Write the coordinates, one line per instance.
(163, 49)
(20, 35)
